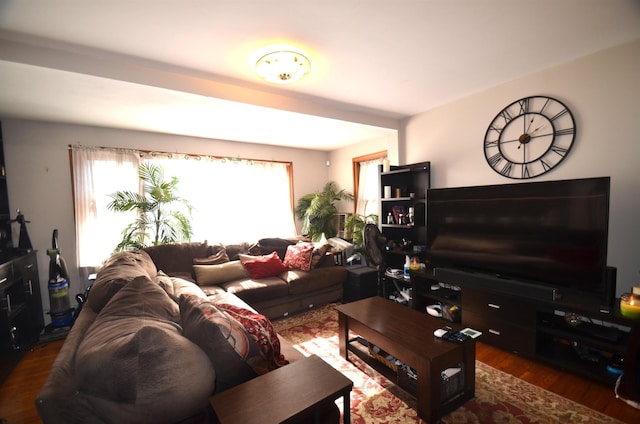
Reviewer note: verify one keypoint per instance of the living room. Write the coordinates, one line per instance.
(601, 88)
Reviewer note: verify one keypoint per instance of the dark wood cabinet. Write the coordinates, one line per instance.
(21, 317)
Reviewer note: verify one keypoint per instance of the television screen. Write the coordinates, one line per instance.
(552, 232)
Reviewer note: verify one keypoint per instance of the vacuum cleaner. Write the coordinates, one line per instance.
(60, 309)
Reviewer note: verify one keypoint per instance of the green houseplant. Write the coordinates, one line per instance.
(355, 224)
(156, 223)
(316, 210)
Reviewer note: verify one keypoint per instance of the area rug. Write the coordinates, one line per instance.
(499, 397)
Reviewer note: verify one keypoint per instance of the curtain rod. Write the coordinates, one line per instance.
(194, 156)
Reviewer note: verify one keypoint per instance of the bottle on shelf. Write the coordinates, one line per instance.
(410, 217)
(407, 266)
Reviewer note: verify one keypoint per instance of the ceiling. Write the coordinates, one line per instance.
(187, 67)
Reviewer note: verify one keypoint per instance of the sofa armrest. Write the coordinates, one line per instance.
(58, 400)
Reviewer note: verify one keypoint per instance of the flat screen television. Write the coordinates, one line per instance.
(551, 233)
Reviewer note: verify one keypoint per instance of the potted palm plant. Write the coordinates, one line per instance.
(156, 223)
(316, 210)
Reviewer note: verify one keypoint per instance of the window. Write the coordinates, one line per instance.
(234, 200)
(367, 183)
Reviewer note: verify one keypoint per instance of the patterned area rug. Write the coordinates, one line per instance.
(500, 397)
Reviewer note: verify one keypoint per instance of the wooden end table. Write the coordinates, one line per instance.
(284, 395)
(408, 335)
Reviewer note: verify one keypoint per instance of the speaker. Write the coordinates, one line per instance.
(496, 283)
(609, 294)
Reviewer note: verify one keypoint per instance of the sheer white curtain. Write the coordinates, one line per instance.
(233, 200)
(369, 188)
(96, 174)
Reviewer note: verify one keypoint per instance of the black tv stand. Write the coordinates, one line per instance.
(570, 332)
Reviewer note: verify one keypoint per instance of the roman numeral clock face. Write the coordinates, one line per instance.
(529, 137)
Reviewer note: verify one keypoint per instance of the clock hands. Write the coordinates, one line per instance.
(526, 127)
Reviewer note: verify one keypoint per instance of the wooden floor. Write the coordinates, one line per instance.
(18, 392)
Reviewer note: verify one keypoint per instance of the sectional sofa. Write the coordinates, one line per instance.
(165, 328)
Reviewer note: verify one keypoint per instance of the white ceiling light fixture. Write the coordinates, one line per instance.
(283, 66)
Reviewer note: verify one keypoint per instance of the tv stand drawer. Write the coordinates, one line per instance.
(501, 333)
(497, 306)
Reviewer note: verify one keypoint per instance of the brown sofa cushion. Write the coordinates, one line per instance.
(135, 366)
(257, 290)
(176, 287)
(177, 257)
(320, 278)
(228, 346)
(115, 273)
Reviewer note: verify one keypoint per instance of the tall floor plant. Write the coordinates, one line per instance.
(316, 210)
(158, 221)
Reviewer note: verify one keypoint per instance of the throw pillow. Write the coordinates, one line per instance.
(220, 273)
(319, 252)
(219, 257)
(259, 327)
(265, 266)
(268, 245)
(229, 347)
(298, 256)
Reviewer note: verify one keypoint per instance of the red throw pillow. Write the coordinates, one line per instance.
(298, 256)
(265, 266)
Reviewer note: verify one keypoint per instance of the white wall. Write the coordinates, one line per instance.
(39, 177)
(602, 91)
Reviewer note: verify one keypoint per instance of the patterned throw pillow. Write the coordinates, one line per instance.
(234, 353)
(261, 329)
(298, 256)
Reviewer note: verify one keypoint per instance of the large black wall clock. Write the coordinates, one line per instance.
(529, 137)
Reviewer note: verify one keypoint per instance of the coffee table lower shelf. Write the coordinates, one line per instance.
(401, 378)
(407, 335)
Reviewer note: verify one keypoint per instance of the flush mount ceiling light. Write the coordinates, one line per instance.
(283, 66)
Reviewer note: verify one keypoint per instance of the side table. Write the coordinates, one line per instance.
(285, 395)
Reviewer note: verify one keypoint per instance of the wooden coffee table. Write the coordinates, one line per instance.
(408, 335)
(285, 395)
